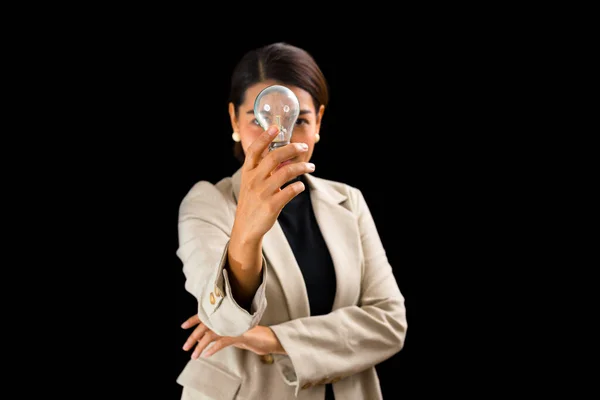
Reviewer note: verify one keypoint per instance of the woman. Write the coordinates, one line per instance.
(296, 298)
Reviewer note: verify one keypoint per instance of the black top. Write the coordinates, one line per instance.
(299, 224)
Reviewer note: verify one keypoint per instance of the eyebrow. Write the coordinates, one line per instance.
(302, 112)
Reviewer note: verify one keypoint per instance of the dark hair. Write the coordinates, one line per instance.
(281, 62)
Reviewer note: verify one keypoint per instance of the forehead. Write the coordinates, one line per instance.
(304, 98)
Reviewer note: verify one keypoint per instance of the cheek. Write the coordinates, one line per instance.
(248, 136)
(303, 137)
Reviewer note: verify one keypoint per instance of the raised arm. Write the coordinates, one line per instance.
(221, 249)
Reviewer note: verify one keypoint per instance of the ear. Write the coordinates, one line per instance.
(320, 117)
(233, 118)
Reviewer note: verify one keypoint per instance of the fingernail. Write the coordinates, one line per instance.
(184, 325)
(272, 130)
(304, 146)
(311, 166)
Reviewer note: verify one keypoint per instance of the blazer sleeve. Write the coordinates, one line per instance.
(327, 348)
(204, 228)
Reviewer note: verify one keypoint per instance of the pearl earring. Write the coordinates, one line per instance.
(235, 136)
(317, 137)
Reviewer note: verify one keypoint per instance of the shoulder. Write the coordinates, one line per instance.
(338, 191)
(337, 186)
(205, 197)
(206, 189)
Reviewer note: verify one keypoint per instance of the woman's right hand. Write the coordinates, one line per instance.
(261, 198)
(260, 201)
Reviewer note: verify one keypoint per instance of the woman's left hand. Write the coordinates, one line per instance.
(260, 340)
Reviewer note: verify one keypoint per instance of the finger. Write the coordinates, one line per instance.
(277, 156)
(255, 150)
(198, 334)
(203, 342)
(288, 193)
(286, 174)
(193, 320)
(220, 344)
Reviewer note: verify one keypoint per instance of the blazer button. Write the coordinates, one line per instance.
(267, 359)
(212, 298)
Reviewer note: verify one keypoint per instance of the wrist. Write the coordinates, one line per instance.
(240, 240)
(277, 347)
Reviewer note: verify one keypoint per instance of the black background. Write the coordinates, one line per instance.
(116, 112)
(410, 123)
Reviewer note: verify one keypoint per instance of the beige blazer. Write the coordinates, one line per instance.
(367, 325)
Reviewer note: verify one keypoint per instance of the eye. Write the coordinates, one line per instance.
(301, 121)
(255, 122)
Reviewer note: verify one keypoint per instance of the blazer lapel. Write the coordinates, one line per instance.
(280, 258)
(339, 230)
